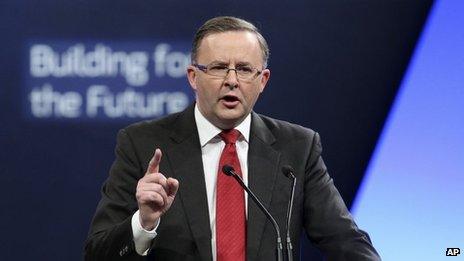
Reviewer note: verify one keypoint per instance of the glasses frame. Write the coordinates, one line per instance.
(204, 68)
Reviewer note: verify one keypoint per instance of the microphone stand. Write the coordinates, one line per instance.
(289, 216)
(229, 171)
(288, 171)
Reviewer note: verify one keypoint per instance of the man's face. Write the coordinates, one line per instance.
(226, 101)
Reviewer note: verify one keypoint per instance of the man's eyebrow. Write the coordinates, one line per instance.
(217, 62)
(243, 64)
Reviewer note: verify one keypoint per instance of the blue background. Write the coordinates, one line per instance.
(411, 196)
(336, 67)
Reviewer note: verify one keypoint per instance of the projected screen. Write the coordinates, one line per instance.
(411, 200)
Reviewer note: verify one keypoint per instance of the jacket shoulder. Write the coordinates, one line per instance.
(150, 127)
(284, 130)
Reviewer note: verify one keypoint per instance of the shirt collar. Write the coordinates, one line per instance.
(207, 131)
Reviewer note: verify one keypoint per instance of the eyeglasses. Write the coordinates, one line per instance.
(244, 72)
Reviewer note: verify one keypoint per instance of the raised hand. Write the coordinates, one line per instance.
(155, 193)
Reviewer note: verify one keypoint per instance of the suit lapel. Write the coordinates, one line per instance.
(185, 159)
(262, 170)
(184, 156)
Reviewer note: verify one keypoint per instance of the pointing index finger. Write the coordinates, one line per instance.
(153, 166)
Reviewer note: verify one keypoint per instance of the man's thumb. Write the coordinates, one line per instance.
(173, 186)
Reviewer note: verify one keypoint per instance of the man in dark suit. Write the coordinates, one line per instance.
(173, 205)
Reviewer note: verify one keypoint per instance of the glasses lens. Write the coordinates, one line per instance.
(245, 72)
(218, 70)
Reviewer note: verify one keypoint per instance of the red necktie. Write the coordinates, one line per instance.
(230, 205)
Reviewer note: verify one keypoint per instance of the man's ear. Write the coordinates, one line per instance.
(192, 77)
(265, 75)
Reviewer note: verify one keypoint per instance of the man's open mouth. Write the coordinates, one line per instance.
(230, 98)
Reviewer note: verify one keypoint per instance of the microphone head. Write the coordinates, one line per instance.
(228, 170)
(288, 171)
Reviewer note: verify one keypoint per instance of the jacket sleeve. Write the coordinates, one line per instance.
(110, 236)
(328, 223)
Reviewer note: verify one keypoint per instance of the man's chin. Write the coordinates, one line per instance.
(231, 118)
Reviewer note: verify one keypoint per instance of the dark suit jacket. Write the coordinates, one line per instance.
(184, 231)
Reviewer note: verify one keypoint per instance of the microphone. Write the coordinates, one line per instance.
(229, 171)
(288, 171)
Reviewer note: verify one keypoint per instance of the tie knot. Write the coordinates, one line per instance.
(230, 136)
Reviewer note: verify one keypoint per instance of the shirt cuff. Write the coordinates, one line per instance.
(142, 237)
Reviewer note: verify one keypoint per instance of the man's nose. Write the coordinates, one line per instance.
(231, 80)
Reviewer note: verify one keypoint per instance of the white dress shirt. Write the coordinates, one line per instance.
(211, 149)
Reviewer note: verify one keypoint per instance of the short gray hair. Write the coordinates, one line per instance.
(223, 24)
